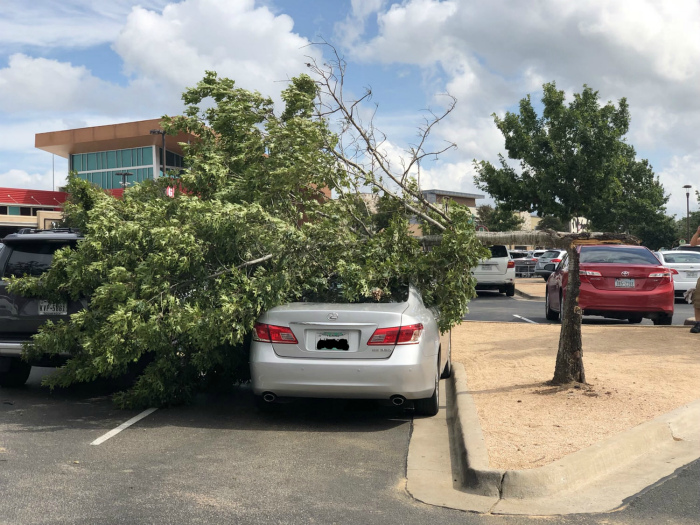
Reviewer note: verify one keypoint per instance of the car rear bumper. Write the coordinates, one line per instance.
(408, 372)
(659, 300)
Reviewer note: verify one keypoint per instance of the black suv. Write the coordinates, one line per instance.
(28, 252)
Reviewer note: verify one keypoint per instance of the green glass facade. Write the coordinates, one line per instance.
(102, 167)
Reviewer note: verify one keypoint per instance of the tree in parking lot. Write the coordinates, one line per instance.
(498, 219)
(175, 284)
(573, 162)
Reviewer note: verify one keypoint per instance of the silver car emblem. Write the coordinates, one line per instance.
(624, 274)
(333, 316)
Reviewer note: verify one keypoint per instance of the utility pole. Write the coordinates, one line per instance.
(687, 211)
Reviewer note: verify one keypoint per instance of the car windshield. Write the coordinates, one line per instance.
(618, 255)
(681, 257)
(396, 291)
(498, 251)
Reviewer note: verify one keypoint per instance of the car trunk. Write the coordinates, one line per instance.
(335, 331)
(621, 276)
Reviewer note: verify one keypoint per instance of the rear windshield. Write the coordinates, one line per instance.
(682, 257)
(551, 254)
(31, 258)
(626, 255)
(498, 251)
(395, 292)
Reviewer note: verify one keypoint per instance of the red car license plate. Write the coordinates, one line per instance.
(624, 283)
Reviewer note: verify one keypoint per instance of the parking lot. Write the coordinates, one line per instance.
(222, 460)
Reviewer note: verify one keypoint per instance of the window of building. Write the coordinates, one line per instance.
(3, 210)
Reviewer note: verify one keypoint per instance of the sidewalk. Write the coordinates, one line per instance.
(449, 462)
(530, 287)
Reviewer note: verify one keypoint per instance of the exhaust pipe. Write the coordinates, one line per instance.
(269, 397)
(397, 400)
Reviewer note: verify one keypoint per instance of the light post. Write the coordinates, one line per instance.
(123, 175)
(162, 133)
(687, 211)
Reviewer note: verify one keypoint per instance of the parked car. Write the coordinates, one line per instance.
(687, 248)
(617, 282)
(28, 252)
(388, 350)
(547, 262)
(685, 267)
(497, 272)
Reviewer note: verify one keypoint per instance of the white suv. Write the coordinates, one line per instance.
(496, 273)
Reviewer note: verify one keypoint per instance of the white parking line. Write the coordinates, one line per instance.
(525, 319)
(121, 427)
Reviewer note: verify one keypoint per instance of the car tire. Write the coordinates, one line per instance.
(510, 290)
(429, 406)
(663, 320)
(636, 319)
(16, 374)
(549, 313)
(447, 371)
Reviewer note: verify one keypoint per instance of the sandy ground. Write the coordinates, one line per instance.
(635, 373)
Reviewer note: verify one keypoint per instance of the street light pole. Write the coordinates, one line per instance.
(161, 133)
(687, 211)
(123, 175)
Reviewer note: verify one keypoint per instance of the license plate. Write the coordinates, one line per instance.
(691, 274)
(332, 341)
(486, 267)
(47, 308)
(624, 283)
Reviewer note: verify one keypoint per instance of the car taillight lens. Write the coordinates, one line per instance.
(588, 274)
(555, 260)
(673, 271)
(662, 275)
(511, 264)
(397, 335)
(268, 333)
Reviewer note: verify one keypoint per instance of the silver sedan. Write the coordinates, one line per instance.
(392, 351)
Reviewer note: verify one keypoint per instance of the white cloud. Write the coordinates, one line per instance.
(491, 54)
(236, 39)
(16, 178)
(68, 23)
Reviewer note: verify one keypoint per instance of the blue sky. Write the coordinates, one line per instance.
(75, 64)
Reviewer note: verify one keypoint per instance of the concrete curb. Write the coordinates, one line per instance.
(526, 295)
(580, 482)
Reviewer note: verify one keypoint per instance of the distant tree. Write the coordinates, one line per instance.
(569, 158)
(682, 225)
(498, 219)
(550, 222)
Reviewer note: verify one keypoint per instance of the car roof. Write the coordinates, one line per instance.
(32, 235)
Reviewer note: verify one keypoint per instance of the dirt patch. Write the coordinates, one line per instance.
(635, 373)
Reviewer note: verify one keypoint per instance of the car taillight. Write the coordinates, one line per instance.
(588, 274)
(667, 274)
(673, 271)
(511, 264)
(268, 333)
(555, 260)
(396, 335)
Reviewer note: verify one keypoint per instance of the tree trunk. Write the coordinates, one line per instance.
(569, 366)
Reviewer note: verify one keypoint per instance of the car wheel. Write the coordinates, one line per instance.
(549, 313)
(15, 374)
(636, 319)
(429, 406)
(663, 320)
(510, 290)
(447, 371)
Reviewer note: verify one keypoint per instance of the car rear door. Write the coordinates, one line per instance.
(495, 266)
(20, 316)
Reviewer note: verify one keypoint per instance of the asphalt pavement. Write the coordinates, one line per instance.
(220, 460)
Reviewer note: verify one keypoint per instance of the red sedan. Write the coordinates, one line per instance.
(618, 282)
